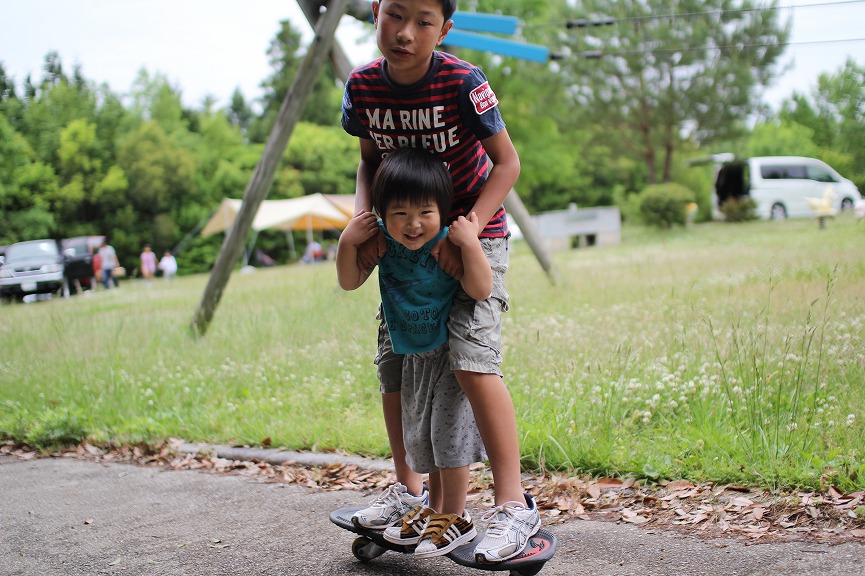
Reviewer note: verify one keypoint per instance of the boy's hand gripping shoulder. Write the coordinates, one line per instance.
(349, 270)
(477, 278)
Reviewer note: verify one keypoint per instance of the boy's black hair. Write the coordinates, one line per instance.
(448, 8)
(412, 176)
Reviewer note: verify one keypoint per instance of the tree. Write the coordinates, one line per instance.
(52, 107)
(777, 138)
(835, 113)
(239, 112)
(285, 55)
(671, 71)
(161, 177)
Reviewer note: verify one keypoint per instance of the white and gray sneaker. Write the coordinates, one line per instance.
(510, 527)
(387, 509)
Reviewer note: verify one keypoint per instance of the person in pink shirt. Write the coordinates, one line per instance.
(148, 264)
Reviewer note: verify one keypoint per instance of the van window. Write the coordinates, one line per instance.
(783, 172)
(820, 174)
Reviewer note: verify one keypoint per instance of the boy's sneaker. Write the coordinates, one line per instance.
(408, 530)
(511, 525)
(443, 533)
(391, 505)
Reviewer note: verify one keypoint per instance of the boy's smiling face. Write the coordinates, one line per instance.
(412, 225)
(407, 32)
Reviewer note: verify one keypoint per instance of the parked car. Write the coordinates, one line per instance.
(780, 185)
(33, 267)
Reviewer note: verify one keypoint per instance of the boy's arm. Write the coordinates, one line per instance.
(370, 158)
(477, 278)
(349, 271)
(502, 177)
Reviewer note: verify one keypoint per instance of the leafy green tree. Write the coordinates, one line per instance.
(80, 171)
(671, 71)
(24, 214)
(777, 138)
(285, 55)
(160, 176)
(52, 107)
(154, 99)
(10, 106)
(325, 160)
(835, 113)
(239, 112)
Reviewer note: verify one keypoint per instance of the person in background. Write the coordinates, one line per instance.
(313, 253)
(148, 264)
(168, 265)
(97, 269)
(109, 262)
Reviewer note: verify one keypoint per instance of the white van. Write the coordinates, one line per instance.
(780, 186)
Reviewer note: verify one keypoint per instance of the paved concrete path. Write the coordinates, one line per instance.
(69, 517)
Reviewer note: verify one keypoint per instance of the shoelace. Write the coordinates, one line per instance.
(390, 494)
(497, 526)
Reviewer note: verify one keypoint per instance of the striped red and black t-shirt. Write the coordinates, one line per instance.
(449, 112)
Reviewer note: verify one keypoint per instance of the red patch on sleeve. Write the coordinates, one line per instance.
(484, 98)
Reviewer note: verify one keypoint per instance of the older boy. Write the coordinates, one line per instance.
(416, 96)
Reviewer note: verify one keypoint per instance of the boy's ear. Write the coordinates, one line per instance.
(375, 7)
(445, 29)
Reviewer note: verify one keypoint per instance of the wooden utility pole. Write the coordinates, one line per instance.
(515, 207)
(262, 178)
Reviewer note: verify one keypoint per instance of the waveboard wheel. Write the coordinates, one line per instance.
(365, 549)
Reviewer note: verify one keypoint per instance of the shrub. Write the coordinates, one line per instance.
(741, 209)
(664, 205)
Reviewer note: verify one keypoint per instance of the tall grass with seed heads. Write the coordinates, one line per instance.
(728, 353)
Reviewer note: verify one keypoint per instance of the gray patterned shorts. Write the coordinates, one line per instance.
(439, 429)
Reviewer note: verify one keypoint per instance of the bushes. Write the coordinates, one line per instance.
(741, 209)
(665, 205)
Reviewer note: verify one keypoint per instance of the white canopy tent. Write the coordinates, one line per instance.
(313, 212)
(309, 213)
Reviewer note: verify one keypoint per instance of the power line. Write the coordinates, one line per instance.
(595, 54)
(608, 21)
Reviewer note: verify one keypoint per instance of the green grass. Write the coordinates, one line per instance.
(731, 353)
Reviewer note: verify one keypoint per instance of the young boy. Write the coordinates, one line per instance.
(412, 192)
(415, 96)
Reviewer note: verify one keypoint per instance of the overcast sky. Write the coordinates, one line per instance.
(210, 47)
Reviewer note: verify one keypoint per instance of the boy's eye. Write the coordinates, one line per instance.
(394, 15)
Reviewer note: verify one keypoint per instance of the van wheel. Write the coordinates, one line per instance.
(778, 212)
(846, 204)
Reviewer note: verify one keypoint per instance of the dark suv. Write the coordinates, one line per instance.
(33, 267)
